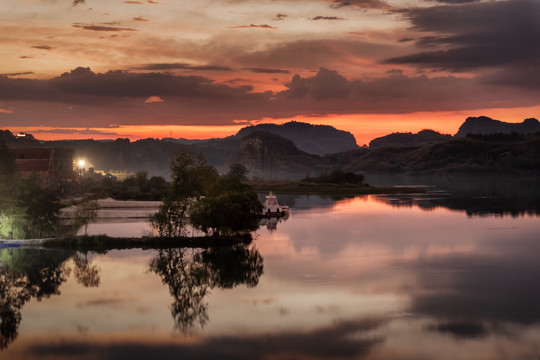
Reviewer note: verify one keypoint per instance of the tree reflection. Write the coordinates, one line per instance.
(26, 274)
(86, 274)
(192, 273)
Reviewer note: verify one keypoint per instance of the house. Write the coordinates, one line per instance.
(54, 165)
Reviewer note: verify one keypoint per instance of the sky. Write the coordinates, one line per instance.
(201, 69)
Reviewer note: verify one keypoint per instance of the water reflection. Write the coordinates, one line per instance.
(27, 274)
(191, 273)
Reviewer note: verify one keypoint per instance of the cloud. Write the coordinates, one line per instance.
(133, 2)
(6, 111)
(268, 71)
(364, 4)
(172, 66)
(327, 84)
(83, 85)
(77, 2)
(477, 36)
(153, 99)
(261, 26)
(327, 18)
(280, 17)
(100, 27)
(71, 131)
(119, 97)
(152, 2)
(42, 47)
(18, 74)
(138, 18)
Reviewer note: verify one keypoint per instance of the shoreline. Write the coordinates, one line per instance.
(104, 242)
(297, 187)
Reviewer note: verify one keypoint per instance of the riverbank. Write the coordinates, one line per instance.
(104, 243)
(300, 187)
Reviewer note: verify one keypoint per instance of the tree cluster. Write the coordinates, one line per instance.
(200, 198)
(337, 177)
(27, 208)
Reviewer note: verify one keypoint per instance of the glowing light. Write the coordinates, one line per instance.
(81, 163)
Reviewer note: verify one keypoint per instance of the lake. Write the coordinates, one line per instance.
(430, 276)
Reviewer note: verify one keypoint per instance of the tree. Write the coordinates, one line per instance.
(39, 208)
(190, 180)
(86, 213)
(8, 177)
(229, 207)
(238, 171)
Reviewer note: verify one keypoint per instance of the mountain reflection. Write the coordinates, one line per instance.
(192, 273)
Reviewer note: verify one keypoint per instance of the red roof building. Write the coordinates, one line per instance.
(53, 164)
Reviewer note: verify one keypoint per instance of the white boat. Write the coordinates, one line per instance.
(271, 207)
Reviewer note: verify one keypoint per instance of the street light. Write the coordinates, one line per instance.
(81, 166)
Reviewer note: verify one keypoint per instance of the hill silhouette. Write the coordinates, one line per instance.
(313, 139)
(487, 125)
(397, 139)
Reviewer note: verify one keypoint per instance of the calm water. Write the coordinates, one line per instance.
(378, 277)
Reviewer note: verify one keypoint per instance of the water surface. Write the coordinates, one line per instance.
(374, 277)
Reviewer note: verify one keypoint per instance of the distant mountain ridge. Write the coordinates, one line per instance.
(313, 139)
(398, 139)
(270, 155)
(487, 125)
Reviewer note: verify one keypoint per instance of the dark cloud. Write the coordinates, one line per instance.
(119, 97)
(173, 66)
(280, 17)
(477, 35)
(133, 2)
(84, 85)
(405, 39)
(327, 18)
(261, 26)
(268, 71)
(42, 47)
(327, 84)
(100, 27)
(342, 340)
(77, 2)
(364, 4)
(18, 74)
(138, 18)
(462, 329)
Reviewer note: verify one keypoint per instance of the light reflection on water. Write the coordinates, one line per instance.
(357, 278)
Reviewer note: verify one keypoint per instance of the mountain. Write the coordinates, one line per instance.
(486, 125)
(481, 154)
(397, 139)
(313, 139)
(270, 156)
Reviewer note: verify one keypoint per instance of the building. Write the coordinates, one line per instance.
(54, 165)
